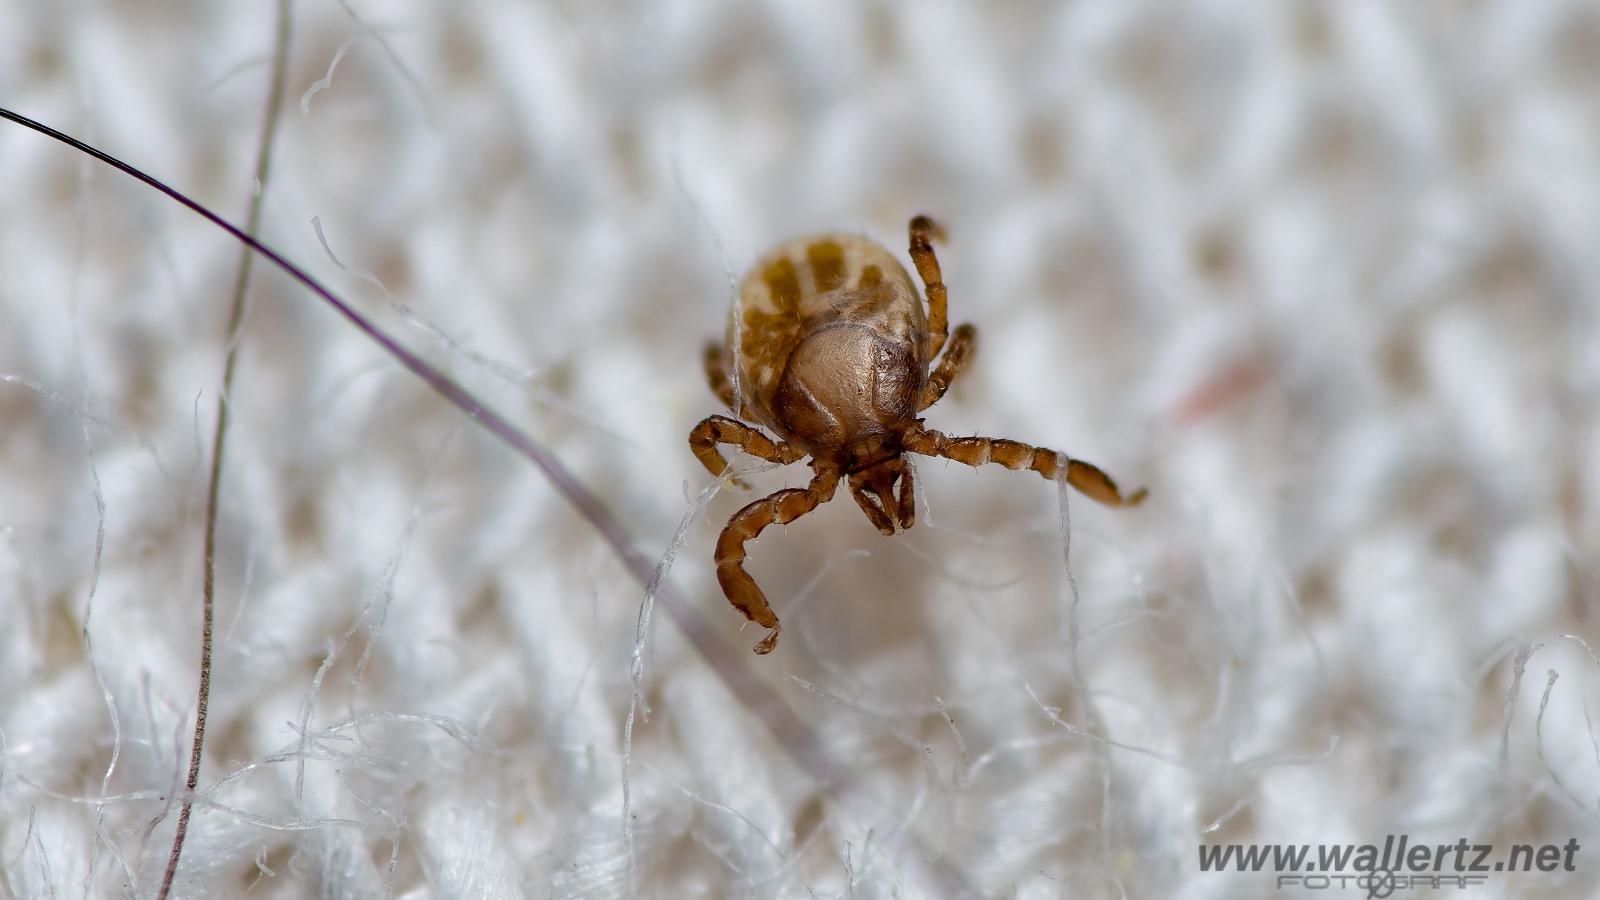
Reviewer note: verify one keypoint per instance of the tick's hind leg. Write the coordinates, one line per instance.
(714, 430)
(716, 366)
(951, 364)
(782, 507)
(975, 451)
(924, 231)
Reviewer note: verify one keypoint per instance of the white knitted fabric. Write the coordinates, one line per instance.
(1321, 275)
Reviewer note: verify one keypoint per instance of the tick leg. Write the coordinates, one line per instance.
(908, 498)
(716, 366)
(951, 364)
(782, 507)
(975, 451)
(924, 231)
(714, 430)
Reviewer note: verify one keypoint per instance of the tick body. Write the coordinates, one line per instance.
(833, 352)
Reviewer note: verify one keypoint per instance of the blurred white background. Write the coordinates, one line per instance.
(1323, 276)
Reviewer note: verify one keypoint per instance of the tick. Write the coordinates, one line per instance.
(833, 352)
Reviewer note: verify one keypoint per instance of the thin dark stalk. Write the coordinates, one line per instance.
(219, 436)
(587, 504)
(792, 734)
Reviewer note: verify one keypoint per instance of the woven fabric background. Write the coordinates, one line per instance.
(1324, 276)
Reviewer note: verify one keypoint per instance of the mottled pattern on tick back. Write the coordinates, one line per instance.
(808, 284)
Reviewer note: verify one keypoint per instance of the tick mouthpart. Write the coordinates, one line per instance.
(874, 489)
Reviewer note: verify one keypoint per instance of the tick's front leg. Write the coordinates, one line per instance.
(714, 430)
(782, 507)
(1088, 479)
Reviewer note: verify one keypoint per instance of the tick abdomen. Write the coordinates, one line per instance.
(781, 336)
(846, 382)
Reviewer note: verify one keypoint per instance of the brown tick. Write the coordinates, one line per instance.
(833, 354)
